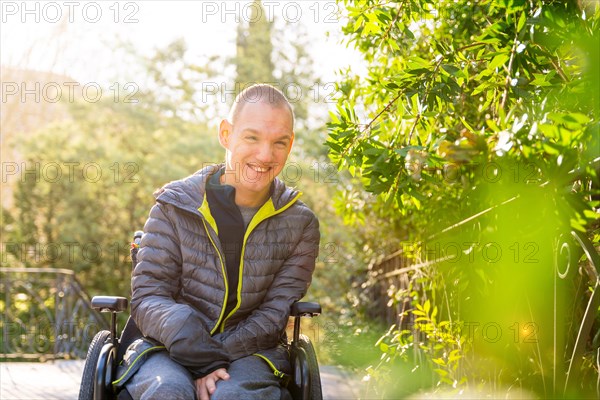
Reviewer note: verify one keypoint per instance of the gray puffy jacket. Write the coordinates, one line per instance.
(180, 287)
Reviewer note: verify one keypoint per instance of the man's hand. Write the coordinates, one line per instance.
(206, 386)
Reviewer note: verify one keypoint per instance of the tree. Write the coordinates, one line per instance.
(260, 41)
(254, 49)
(466, 105)
(92, 176)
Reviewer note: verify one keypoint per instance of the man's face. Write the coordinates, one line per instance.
(257, 147)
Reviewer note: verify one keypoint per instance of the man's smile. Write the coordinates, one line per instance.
(258, 169)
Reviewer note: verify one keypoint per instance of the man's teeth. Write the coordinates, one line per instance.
(259, 169)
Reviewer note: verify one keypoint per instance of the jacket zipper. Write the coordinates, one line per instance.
(223, 270)
(269, 211)
(211, 221)
(276, 372)
(136, 360)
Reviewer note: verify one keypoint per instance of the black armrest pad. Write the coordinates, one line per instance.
(301, 308)
(109, 303)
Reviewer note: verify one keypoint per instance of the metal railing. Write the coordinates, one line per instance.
(46, 314)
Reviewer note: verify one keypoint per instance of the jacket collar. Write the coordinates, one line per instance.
(188, 193)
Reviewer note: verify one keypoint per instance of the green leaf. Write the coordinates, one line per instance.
(540, 80)
(454, 355)
(383, 16)
(591, 214)
(466, 124)
(371, 27)
(358, 23)
(550, 131)
(497, 61)
(408, 33)
(522, 20)
(384, 347)
(451, 69)
(416, 202)
(418, 62)
(404, 151)
(578, 224)
(439, 361)
(576, 119)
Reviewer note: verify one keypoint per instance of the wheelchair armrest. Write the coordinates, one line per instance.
(109, 303)
(305, 308)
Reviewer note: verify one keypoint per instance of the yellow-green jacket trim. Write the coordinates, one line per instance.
(205, 211)
(133, 364)
(266, 211)
(276, 372)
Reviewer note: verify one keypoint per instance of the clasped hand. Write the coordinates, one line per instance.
(207, 385)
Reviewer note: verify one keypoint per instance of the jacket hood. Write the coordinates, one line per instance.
(188, 193)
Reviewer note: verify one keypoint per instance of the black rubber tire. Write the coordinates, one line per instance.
(86, 390)
(315, 376)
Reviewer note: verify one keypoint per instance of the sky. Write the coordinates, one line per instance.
(77, 38)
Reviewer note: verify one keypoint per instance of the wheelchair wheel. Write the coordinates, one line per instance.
(86, 390)
(307, 379)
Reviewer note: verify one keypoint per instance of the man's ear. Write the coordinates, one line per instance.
(291, 143)
(225, 130)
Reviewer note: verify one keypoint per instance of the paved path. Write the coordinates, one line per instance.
(60, 380)
(49, 380)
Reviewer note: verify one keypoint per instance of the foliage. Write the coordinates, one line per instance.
(254, 49)
(171, 81)
(91, 181)
(454, 85)
(466, 106)
(439, 348)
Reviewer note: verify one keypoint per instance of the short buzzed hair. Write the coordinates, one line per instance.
(259, 93)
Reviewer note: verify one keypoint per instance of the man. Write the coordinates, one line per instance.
(225, 253)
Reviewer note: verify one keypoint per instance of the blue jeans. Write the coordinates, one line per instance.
(161, 378)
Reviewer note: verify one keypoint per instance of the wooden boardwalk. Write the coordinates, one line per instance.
(60, 380)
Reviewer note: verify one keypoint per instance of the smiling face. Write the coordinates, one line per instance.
(257, 146)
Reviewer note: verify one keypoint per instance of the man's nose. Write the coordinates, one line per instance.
(265, 153)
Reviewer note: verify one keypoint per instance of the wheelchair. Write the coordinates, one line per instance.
(108, 348)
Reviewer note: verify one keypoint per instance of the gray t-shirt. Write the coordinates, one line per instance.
(247, 214)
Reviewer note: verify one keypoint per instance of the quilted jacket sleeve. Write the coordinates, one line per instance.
(155, 284)
(262, 329)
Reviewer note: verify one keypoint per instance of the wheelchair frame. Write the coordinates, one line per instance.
(106, 349)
